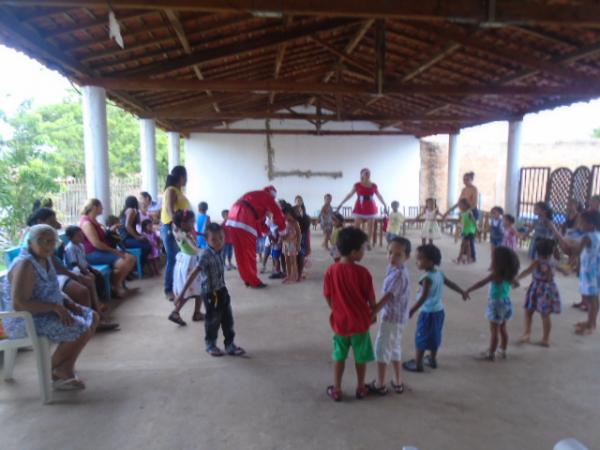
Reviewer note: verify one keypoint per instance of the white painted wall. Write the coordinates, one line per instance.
(222, 167)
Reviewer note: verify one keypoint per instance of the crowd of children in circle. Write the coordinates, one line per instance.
(348, 286)
(204, 251)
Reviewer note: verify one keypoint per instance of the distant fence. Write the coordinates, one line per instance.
(539, 184)
(73, 196)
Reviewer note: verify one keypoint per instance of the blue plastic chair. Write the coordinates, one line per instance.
(11, 254)
(105, 270)
(137, 252)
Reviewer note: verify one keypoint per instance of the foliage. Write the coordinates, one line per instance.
(597, 133)
(25, 174)
(47, 144)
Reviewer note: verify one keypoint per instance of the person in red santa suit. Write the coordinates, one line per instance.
(245, 222)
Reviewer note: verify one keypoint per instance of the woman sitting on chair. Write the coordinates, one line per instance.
(32, 285)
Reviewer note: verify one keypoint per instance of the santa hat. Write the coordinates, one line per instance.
(271, 190)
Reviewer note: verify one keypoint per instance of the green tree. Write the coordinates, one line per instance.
(59, 128)
(25, 174)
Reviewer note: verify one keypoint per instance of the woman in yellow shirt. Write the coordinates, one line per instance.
(173, 200)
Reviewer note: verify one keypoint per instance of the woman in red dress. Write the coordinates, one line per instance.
(365, 209)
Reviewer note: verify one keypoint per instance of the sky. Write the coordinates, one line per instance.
(23, 78)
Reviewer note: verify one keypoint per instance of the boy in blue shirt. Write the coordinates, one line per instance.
(202, 221)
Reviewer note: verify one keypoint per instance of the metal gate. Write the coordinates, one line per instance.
(533, 183)
(595, 181)
(538, 184)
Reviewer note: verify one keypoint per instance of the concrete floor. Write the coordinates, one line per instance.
(152, 386)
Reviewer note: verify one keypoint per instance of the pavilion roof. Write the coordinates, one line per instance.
(411, 67)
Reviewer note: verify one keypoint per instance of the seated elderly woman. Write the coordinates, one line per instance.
(32, 285)
(99, 251)
(77, 286)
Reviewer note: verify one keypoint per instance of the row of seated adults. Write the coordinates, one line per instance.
(78, 283)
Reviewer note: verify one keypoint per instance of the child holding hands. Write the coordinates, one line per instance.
(505, 267)
(588, 247)
(542, 294)
(394, 306)
(430, 297)
(348, 290)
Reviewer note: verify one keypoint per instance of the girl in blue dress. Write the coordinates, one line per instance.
(31, 285)
(505, 267)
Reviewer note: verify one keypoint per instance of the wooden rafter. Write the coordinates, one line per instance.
(294, 132)
(582, 13)
(180, 32)
(279, 59)
(293, 86)
(272, 40)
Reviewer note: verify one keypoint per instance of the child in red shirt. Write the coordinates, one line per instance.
(348, 289)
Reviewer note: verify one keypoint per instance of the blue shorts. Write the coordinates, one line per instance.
(429, 330)
(496, 241)
(276, 253)
(100, 257)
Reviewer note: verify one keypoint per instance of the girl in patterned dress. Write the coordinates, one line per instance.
(588, 249)
(431, 229)
(185, 261)
(542, 295)
(505, 267)
(291, 244)
(539, 227)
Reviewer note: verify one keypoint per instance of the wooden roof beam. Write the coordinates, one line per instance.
(524, 60)
(343, 56)
(279, 59)
(180, 32)
(293, 86)
(296, 132)
(506, 12)
(294, 115)
(103, 22)
(269, 41)
(350, 47)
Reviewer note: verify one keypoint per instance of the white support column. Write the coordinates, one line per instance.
(95, 141)
(148, 156)
(513, 167)
(452, 169)
(174, 152)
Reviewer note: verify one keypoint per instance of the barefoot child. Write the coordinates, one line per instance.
(326, 220)
(542, 295)
(431, 229)
(338, 225)
(588, 247)
(210, 271)
(348, 290)
(394, 306)
(187, 260)
(505, 267)
(156, 245)
(291, 244)
(431, 318)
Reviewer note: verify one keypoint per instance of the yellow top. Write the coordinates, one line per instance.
(181, 202)
(396, 221)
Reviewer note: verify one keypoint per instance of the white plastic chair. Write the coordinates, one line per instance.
(41, 348)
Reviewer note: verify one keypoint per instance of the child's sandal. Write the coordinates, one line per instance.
(373, 389)
(362, 392)
(175, 317)
(398, 388)
(334, 394)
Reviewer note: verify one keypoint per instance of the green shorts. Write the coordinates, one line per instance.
(360, 343)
